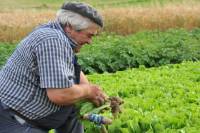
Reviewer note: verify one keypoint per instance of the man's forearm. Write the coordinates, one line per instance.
(67, 96)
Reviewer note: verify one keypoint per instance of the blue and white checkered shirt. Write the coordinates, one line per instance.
(44, 59)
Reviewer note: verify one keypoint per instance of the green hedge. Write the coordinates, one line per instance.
(111, 53)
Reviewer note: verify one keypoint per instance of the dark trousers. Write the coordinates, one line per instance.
(9, 124)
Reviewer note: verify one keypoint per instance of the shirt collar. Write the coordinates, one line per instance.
(56, 25)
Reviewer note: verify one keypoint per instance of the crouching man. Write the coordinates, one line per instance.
(41, 81)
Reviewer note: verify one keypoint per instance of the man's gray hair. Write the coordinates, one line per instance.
(69, 18)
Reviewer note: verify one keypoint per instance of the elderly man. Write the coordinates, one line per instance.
(42, 80)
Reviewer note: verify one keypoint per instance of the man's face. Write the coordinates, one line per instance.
(81, 37)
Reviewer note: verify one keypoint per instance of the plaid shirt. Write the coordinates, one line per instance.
(44, 59)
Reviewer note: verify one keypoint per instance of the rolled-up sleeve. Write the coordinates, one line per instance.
(55, 63)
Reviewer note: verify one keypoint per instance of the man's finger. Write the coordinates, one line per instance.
(101, 100)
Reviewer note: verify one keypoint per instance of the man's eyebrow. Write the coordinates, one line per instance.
(93, 34)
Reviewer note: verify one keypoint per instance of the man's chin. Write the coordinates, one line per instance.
(77, 50)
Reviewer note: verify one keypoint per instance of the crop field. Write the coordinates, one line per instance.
(148, 54)
(54, 4)
(164, 99)
(17, 23)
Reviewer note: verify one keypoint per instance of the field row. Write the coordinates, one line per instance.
(14, 25)
(55, 4)
(150, 49)
(157, 100)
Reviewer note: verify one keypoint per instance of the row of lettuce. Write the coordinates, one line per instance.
(111, 53)
(165, 99)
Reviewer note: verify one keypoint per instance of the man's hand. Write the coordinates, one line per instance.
(96, 95)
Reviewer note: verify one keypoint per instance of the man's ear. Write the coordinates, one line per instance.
(68, 29)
